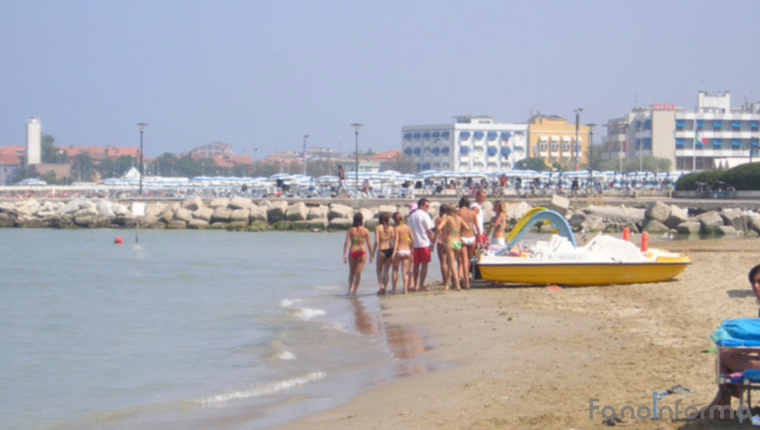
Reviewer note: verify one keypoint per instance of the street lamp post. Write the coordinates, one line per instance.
(576, 144)
(357, 127)
(590, 148)
(142, 126)
(305, 137)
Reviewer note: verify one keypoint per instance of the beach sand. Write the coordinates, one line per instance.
(531, 358)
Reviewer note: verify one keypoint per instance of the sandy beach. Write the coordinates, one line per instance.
(532, 358)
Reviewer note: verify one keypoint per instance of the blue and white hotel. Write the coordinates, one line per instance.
(470, 144)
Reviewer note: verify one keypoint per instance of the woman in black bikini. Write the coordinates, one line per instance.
(385, 236)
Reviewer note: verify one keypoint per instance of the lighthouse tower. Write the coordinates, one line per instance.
(33, 142)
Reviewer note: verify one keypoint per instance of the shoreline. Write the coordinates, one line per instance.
(532, 358)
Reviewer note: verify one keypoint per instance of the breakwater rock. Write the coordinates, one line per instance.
(243, 214)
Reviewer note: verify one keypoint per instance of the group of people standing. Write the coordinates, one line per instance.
(408, 244)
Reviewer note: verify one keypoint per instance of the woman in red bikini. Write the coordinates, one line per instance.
(356, 238)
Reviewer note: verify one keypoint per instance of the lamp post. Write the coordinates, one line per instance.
(305, 137)
(576, 144)
(590, 148)
(142, 126)
(357, 127)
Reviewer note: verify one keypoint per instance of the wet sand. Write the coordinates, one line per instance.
(532, 358)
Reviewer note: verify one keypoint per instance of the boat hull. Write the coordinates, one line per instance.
(582, 273)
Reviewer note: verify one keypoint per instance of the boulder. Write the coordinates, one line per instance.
(725, 230)
(655, 227)
(297, 212)
(183, 214)
(276, 212)
(203, 214)
(219, 202)
(735, 218)
(317, 213)
(689, 227)
(709, 222)
(120, 209)
(753, 221)
(257, 213)
(576, 220)
(559, 204)
(517, 211)
(592, 223)
(240, 215)
(677, 216)
(658, 211)
(176, 225)
(152, 211)
(618, 214)
(221, 214)
(340, 211)
(193, 203)
(369, 215)
(391, 209)
(340, 223)
(6, 220)
(197, 224)
(168, 214)
(86, 217)
(104, 208)
(240, 203)
(72, 206)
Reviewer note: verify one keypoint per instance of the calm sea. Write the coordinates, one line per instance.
(186, 330)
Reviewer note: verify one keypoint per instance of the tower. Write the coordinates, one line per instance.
(33, 142)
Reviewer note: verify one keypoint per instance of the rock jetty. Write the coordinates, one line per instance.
(243, 214)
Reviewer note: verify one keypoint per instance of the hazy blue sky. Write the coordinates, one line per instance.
(263, 74)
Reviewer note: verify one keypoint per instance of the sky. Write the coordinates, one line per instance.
(261, 75)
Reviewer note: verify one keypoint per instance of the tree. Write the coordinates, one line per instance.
(534, 163)
(401, 163)
(51, 153)
(83, 166)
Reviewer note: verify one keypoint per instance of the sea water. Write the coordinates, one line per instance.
(186, 329)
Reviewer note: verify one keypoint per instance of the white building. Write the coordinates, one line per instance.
(470, 144)
(713, 136)
(33, 142)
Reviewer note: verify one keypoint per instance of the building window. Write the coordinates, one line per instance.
(542, 145)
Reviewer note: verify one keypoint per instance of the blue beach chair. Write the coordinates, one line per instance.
(741, 334)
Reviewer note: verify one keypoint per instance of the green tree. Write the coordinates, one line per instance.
(401, 163)
(83, 167)
(51, 153)
(534, 163)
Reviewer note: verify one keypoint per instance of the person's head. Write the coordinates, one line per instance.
(500, 206)
(385, 218)
(754, 280)
(464, 202)
(442, 210)
(423, 204)
(358, 219)
(480, 197)
(398, 218)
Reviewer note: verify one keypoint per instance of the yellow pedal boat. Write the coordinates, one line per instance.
(603, 260)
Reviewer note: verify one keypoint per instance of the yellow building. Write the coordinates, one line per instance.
(552, 137)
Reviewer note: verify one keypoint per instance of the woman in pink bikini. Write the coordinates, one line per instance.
(355, 252)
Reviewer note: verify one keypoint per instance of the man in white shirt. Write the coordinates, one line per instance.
(422, 232)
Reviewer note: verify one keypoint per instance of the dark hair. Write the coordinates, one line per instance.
(385, 218)
(421, 202)
(753, 272)
(358, 219)
(398, 218)
(464, 202)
